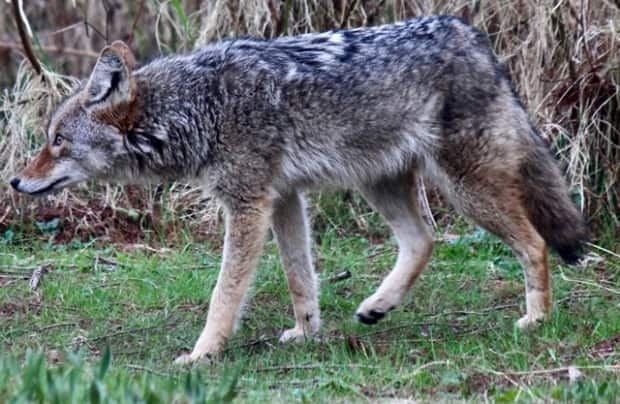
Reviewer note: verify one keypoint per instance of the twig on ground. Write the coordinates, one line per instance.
(12, 275)
(104, 261)
(12, 281)
(286, 368)
(417, 370)
(149, 370)
(468, 331)
(259, 341)
(170, 322)
(6, 212)
(598, 247)
(340, 276)
(162, 251)
(596, 285)
(57, 325)
(41, 329)
(278, 384)
(503, 375)
(18, 270)
(480, 312)
(37, 276)
(125, 280)
(543, 372)
(579, 294)
(406, 325)
(123, 332)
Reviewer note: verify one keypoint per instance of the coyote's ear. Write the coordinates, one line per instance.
(111, 89)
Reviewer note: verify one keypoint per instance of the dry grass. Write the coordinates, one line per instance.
(564, 57)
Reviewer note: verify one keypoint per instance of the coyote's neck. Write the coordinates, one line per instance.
(174, 134)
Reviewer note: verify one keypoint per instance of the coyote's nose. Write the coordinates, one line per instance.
(15, 183)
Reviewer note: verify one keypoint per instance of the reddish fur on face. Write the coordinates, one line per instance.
(41, 165)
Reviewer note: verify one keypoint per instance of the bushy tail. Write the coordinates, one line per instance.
(550, 208)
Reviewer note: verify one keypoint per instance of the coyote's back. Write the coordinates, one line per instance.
(354, 105)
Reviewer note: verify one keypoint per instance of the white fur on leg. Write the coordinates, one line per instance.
(296, 334)
(186, 360)
(381, 301)
(538, 303)
(306, 326)
(395, 286)
(293, 335)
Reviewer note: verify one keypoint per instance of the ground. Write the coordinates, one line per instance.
(106, 321)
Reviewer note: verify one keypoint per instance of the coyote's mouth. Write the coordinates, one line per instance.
(50, 187)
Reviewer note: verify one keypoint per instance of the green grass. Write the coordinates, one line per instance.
(453, 339)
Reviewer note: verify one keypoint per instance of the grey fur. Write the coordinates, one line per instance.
(257, 122)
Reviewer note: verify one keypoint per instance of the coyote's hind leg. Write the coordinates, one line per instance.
(495, 201)
(396, 200)
(531, 250)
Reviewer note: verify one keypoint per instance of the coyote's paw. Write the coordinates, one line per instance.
(374, 309)
(292, 335)
(538, 309)
(189, 359)
(295, 335)
(529, 322)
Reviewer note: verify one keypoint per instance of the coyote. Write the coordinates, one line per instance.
(257, 122)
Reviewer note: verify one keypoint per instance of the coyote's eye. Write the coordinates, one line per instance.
(58, 139)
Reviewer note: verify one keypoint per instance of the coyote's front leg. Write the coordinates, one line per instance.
(245, 233)
(291, 229)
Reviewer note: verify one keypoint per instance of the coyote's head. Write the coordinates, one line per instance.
(85, 134)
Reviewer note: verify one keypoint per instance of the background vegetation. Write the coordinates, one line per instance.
(129, 270)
